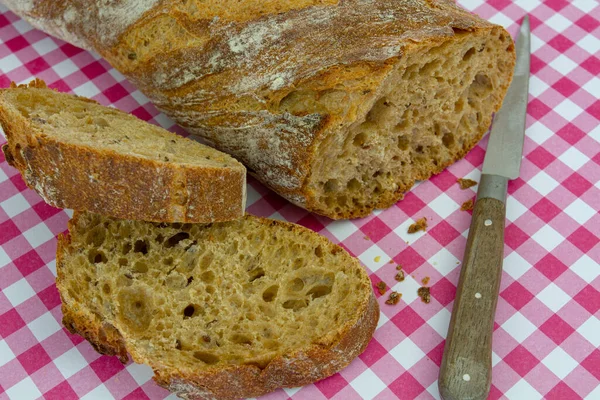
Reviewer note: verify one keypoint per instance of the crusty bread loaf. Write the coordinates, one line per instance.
(338, 105)
(78, 154)
(219, 311)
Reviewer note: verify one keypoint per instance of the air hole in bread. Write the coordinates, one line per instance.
(448, 140)
(403, 142)
(175, 239)
(140, 246)
(360, 139)
(189, 311)
(319, 251)
(469, 54)
(256, 273)
(353, 184)
(168, 261)
(97, 256)
(270, 293)
(106, 288)
(319, 291)
(240, 338)
(159, 238)
(126, 248)
(205, 357)
(295, 304)
(331, 185)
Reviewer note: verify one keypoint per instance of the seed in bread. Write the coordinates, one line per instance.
(225, 310)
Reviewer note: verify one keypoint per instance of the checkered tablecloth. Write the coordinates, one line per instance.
(547, 332)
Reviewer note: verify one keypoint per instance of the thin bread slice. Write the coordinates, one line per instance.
(219, 311)
(78, 154)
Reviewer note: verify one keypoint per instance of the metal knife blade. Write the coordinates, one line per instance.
(505, 147)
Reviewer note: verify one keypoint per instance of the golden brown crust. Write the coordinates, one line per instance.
(81, 177)
(224, 77)
(299, 368)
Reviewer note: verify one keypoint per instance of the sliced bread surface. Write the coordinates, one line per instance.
(226, 310)
(78, 154)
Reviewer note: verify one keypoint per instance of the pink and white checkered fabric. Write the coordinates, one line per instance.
(547, 336)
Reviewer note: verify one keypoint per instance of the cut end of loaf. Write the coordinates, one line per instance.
(430, 111)
(195, 299)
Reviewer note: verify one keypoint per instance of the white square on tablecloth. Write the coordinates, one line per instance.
(18, 292)
(593, 87)
(141, 373)
(553, 297)
(547, 237)
(24, 390)
(45, 46)
(38, 235)
(98, 393)
(44, 326)
(9, 63)
(88, 89)
(536, 43)
(537, 86)
(522, 390)
(4, 258)
(527, 5)
(589, 43)
(6, 353)
(514, 209)
(518, 327)
(584, 5)
(471, 4)
(515, 265)
(70, 363)
(573, 158)
(558, 22)
(408, 288)
(590, 330)
(434, 390)
(3, 176)
(373, 253)
(443, 205)
(439, 322)
(341, 229)
(52, 267)
(292, 391)
(543, 183)
(563, 64)
(14, 205)
(495, 359)
(568, 110)
(501, 19)
(140, 97)
(444, 262)
(65, 68)
(580, 211)
(367, 385)
(22, 26)
(587, 269)
(407, 353)
(559, 362)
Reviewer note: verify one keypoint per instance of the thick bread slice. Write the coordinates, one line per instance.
(78, 154)
(338, 105)
(219, 311)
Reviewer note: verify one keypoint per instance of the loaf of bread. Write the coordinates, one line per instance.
(338, 105)
(78, 154)
(219, 311)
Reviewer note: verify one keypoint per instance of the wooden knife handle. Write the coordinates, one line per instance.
(466, 371)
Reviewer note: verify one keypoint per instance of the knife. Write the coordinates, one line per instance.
(466, 370)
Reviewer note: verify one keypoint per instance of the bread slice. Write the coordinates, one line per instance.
(78, 154)
(226, 310)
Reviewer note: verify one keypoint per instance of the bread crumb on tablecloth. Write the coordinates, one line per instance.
(467, 205)
(419, 225)
(381, 287)
(466, 183)
(425, 294)
(394, 298)
(425, 280)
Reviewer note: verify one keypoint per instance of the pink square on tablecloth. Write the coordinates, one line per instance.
(63, 391)
(521, 360)
(542, 379)
(10, 322)
(34, 359)
(592, 364)
(137, 394)
(332, 385)
(12, 373)
(581, 381)
(557, 329)
(407, 320)
(561, 391)
(47, 377)
(406, 387)
(589, 298)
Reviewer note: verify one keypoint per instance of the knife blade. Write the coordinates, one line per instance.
(466, 370)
